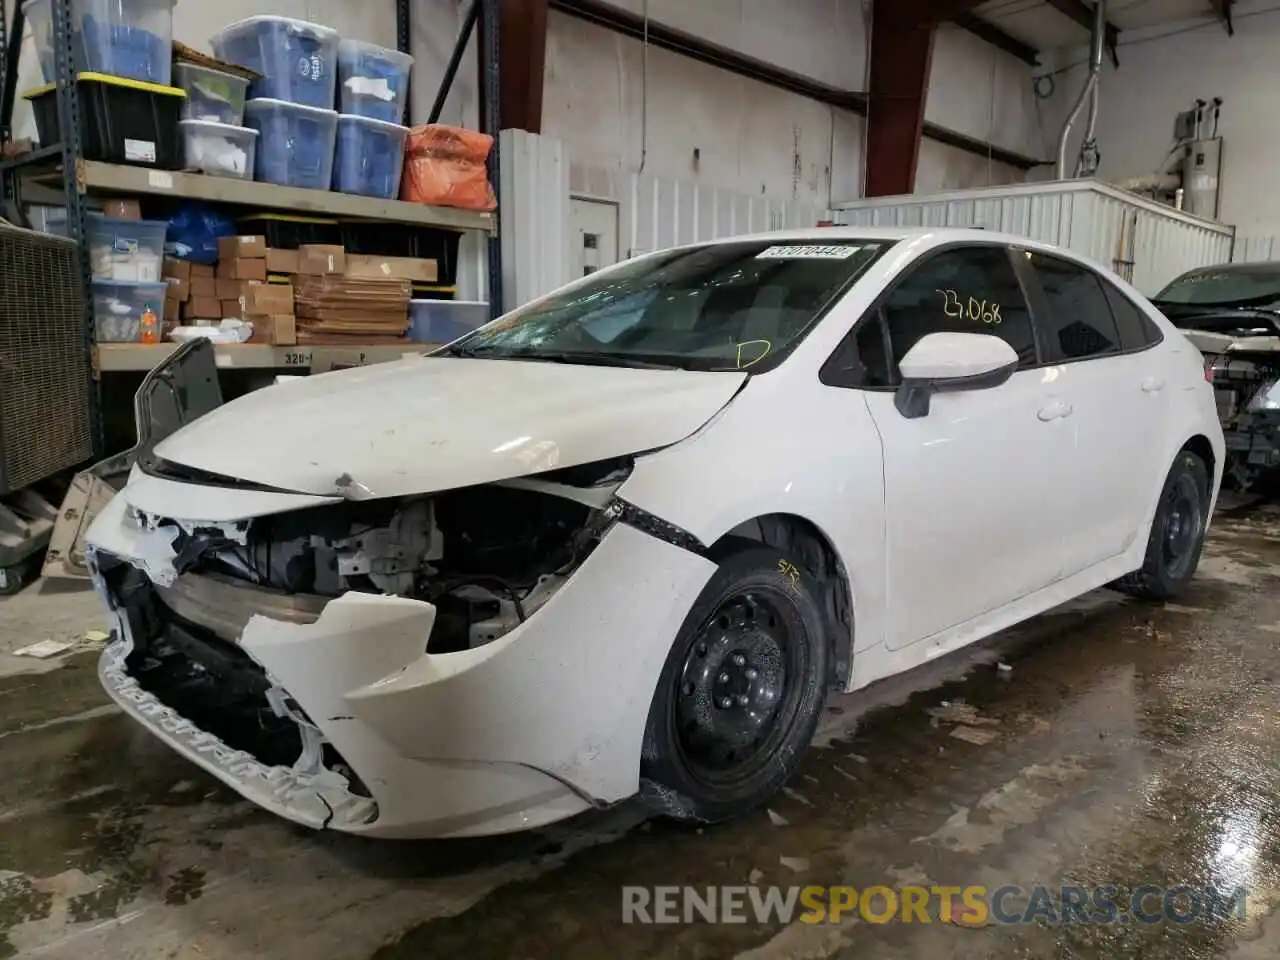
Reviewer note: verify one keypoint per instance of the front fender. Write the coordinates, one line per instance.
(764, 455)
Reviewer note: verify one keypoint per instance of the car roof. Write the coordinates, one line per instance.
(1255, 267)
(935, 236)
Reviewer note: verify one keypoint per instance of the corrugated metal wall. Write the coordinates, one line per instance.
(657, 212)
(533, 216)
(1145, 243)
(1254, 249)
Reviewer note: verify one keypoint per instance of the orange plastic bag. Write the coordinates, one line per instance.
(444, 166)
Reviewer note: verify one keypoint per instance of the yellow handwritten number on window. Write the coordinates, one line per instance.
(973, 309)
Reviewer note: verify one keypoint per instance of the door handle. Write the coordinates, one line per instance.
(1055, 411)
(1152, 385)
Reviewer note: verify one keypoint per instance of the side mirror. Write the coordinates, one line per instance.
(949, 362)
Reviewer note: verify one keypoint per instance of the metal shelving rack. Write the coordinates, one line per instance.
(63, 166)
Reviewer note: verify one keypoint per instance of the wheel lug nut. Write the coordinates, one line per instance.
(751, 673)
(739, 660)
(723, 678)
(742, 700)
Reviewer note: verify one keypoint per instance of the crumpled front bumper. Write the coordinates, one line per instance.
(542, 723)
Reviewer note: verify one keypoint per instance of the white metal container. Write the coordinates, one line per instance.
(1144, 242)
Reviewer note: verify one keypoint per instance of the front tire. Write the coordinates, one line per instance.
(1177, 533)
(741, 691)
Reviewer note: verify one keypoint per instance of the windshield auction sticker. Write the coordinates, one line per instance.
(810, 252)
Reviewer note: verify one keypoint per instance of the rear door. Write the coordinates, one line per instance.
(1116, 388)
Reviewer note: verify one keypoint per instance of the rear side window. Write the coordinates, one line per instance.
(1078, 323)
(962, 290)
(1137, 330)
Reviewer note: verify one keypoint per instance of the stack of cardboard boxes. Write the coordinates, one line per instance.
(237, 288)
(343, 296)
(315, 294)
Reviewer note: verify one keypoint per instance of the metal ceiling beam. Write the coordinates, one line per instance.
(522, 26)
(901, 55)
(993, 35)
(1082, 13)
(1222, 10)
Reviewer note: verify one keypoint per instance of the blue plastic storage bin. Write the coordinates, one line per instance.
(369, 157)
(297, 59)
(122, 38)
(372, 80)
(127, 250)
(295, 143)
(212, 95)
(443, 321)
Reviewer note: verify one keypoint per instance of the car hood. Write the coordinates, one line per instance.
(433, 423)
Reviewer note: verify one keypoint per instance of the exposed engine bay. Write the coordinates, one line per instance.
(486, 557)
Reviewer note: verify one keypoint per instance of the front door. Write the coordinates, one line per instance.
(972, 519)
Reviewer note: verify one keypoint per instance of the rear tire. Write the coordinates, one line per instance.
(1177, 533)
(740, 693)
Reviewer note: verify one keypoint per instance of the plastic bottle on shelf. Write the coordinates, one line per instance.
(150, 326)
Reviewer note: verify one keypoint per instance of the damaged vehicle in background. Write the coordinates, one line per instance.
(1231, 312)
(625, 539)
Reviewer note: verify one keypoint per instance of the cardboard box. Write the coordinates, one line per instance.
(177, 269)
(282, 261)
(242, 248)
(229, 289)
(207, 308)
(202, 270)
(242, 268)
(232, 309)
(318, 259)
(204, 287)
(123, 209)
(267, 299)
(179, 290)
(172, 311)
(281, 330)
(392, 268)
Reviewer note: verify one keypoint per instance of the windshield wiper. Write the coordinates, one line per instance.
(582, 357)
(590, 359)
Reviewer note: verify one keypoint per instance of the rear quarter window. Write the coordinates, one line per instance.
(1137, 330)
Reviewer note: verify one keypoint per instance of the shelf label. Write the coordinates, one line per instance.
(160, 179)
(140, 151)
(297, 358)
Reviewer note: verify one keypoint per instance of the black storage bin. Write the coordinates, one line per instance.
(287, 232)
(405, 240)
(121, 120)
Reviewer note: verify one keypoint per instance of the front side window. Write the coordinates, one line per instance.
(723, 306)
(1078, 323)
(962, 290)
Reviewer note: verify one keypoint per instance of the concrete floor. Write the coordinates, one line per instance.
(1128, 744)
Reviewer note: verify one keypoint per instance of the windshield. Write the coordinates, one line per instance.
(1225, 286)
(739, 305)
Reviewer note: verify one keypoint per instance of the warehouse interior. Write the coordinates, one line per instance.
(297, 189)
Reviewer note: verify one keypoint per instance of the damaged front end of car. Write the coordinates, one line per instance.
(205, 610)
(439, 659)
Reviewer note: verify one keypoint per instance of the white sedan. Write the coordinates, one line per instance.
(625, 539)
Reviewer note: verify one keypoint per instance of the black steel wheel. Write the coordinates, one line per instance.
(741, 690)
(1177, 533)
